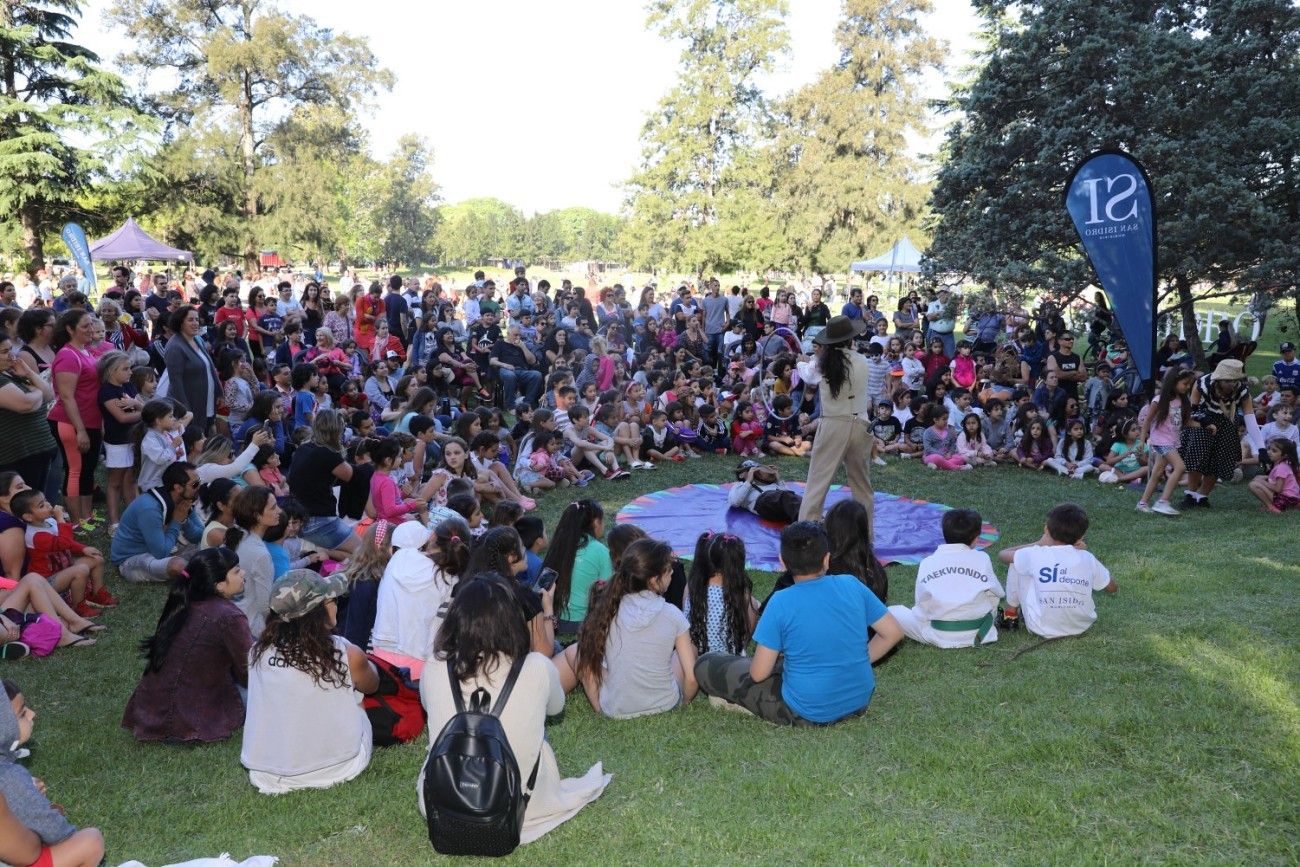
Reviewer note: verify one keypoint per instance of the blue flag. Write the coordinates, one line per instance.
(1109, 199)
(75, 237)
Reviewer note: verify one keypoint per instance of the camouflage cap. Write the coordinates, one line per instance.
(300, 590)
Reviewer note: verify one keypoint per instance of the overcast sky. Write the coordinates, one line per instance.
(542, 103)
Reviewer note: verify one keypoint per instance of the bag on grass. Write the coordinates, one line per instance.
(41, 633)
(396, 715)
(474, 802)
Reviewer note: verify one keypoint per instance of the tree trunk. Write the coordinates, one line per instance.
(248, 147)
(33, 243)
(1187, 310)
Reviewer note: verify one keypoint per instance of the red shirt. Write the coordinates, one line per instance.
(234, 314)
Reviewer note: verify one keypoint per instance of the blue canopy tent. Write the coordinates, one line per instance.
(902, 258)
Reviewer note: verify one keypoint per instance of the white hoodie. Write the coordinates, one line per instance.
(412, 600)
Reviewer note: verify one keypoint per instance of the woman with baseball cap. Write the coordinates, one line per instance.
(844, 431)
(305, 727)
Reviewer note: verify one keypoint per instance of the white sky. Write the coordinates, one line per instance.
(541, 104)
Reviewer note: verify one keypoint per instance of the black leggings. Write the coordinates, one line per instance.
(33, 469)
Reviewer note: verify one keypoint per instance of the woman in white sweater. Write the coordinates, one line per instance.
(482, 637)
(415, 590)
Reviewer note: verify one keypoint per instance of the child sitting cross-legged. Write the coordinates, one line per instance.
(782, 430)
(658, 442)
(940, 443)
(634, 655)
(720, 605)
(812, 664)
(590, 447)
(71, 567)
(1051, 581)
(957, 592)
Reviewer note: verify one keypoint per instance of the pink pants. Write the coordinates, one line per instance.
(952, 463)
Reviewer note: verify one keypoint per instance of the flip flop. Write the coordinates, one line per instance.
(93, 628)
(80, 642)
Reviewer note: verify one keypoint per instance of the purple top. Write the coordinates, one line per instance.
(193, 697)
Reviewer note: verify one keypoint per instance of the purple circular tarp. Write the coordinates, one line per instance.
(906, 530)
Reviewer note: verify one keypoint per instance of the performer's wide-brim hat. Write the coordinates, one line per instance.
(840, 329)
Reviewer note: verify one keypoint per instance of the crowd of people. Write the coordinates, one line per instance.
(336, 484)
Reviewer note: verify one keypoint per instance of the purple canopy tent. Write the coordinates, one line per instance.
(132, 242)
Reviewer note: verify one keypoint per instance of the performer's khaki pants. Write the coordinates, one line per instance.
(843, 440)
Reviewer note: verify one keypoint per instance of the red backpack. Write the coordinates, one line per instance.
(396, 715)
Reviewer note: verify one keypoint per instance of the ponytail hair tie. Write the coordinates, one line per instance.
(454, 539)
(600, 585)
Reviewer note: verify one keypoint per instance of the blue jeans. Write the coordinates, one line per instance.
(715, 348)
(512, 380)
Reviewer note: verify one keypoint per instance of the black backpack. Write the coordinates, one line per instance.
(473, 800)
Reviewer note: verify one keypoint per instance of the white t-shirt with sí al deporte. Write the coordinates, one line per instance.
(1052, 585)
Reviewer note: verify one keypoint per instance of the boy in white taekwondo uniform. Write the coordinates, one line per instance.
(956, 591)
(1051, 581)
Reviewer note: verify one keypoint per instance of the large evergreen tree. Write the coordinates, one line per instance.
(245, 65)
(848, 183)
(60, 116)
(694, 158)
(1205, 94)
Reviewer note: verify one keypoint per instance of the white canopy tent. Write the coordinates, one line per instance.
(902, 258)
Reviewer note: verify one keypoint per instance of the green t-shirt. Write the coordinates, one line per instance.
(1129, 462)
(590, 564)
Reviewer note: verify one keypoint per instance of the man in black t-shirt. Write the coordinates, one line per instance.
(513, 363)
(155, 306)
(482, 337)
(397, 310)
(1068, 366)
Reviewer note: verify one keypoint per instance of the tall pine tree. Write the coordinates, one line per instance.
(848, 182)
(1205, 94)
(694, 160)
(60, 117)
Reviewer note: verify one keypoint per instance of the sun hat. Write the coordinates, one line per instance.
(410, 534)
(840, 329)
(1229, 369)
(299, 591)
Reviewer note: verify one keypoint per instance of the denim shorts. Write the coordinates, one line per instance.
(326, 531)
(1162, 450)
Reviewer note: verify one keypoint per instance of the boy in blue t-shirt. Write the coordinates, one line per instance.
(813, 662)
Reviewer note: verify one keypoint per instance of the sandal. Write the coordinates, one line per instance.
(93, 628)
(80, 642)
(14, 650)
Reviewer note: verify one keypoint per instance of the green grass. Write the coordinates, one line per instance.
(1169, 732)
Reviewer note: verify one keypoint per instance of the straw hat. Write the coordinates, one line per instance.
(1229, 369)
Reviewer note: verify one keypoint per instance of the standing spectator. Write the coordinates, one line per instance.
(397, 310)
(191, 375)
(26, 444)
(75, 419)
(715, 321)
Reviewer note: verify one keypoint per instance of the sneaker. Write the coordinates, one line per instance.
(878, 461)
(1189, 500)
(965, 467)
(719, 703)
(1142, 506)
(907, 456)
(84, 610)
(14, 650)
(694, 454)
(679, 458)
(609, 474)
(932, 466)
(1203, 502)
(101, 598)
(621, 474)
(1162, 507)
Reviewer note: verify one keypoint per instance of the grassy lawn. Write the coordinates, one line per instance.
(1169, 732)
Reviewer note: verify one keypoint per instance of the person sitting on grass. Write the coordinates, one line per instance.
(305, 727)
(782, 430)
(957, 591)
(154, 523)
(25, 796)
(70, 566)
(196, 661)
(634, 655)
(1280, 491)
(1051, 581)
(1126, 463)
(812, 663)
(579, 558)
(483, 644)
(255, 511)
(28, 597)
(588, 447)
(720, 605)
(658, 442)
